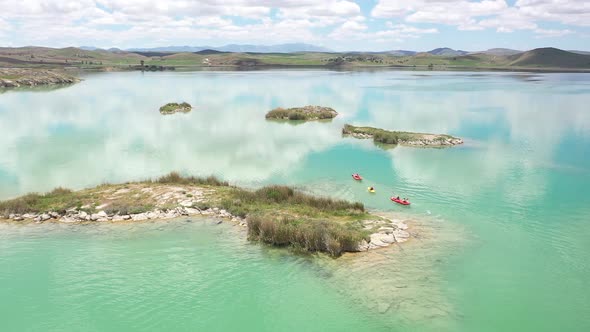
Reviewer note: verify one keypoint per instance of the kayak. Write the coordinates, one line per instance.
(371, 190)
(357, 177)
(400, 201)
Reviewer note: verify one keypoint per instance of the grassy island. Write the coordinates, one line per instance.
(172, 108)
(276, 215)
(306, 113)
(400, 137)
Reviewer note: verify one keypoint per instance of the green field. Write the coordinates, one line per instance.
(538, 59)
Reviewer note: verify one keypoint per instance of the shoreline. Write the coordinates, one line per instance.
(331, 231)
(31, 77)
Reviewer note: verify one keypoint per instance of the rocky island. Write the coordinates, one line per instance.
(276, 215)
(17, 77)
(400, 137)
(172, 108)
(306, 113)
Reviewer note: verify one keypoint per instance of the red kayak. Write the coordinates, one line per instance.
(400, 201)
(357, 177)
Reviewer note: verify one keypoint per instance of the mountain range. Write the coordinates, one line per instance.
(302, 47)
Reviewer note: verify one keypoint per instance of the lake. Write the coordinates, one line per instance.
(502, 239)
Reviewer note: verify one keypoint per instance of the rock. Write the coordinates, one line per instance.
(67, 219)
(18, 218)
(94, 217)
(401, 235)
(383, 307)
(11, 216)
(44, 217)
(139, 217)
(186, 203)
(152, 215)
(381, 240)
(54, 215)
(29, 216)
(363, 246)
(102, 214)
(192, 211)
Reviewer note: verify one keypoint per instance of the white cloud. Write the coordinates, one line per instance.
(548, 33)
(496, 14)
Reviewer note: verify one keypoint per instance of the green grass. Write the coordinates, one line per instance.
(277, 215)
(386, 136)
(171, 108)
(58, 199)
(309, 235)
(301, 113)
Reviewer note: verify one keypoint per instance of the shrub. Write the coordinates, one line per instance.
(309, 235)
(176, 178)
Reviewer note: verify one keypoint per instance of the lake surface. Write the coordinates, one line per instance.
(503, 239)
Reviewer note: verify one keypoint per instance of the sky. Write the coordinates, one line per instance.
(340, 25)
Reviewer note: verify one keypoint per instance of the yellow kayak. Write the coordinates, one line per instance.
(371, 190)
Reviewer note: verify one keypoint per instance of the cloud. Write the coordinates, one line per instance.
(552, 33)
(497, 14)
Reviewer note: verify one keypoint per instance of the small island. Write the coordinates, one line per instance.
(400, 137)
(276, 215)
(172, 108)
(306, 113)
(18, 77)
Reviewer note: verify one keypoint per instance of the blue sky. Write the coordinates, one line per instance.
(336, 24)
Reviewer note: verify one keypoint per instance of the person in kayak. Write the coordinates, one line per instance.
(397, 198)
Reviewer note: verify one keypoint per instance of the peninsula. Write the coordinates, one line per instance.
(276, 215)
(17, 77)
(306, 113)
(400, 137)
(172, 108)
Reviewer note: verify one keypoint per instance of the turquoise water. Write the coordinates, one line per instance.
(501, 222)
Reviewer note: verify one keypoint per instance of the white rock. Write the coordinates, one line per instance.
(186, 203)
(102, 214)
(54, 214)
(139, 217)
(29, 216)
(18, 218)
(68, 219)
(94, 217)
(363, 246)
(191, 211)
(44, 217)
(152, 215)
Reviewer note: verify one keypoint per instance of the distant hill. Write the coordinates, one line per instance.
(580, 52)
(208, 52)
(500, 51)
(238, 48)
(445, 51)
(550, 57)
(400, 53)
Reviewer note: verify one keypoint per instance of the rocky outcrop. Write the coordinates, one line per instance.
(172, 108)
(302, 113)
(17, 77)
(385, 232)
(400, 137)
(77, 216)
